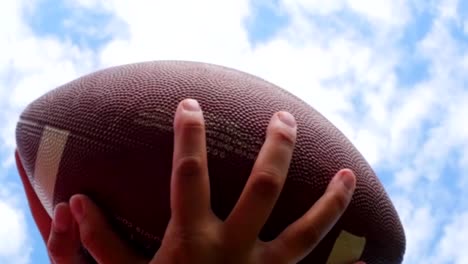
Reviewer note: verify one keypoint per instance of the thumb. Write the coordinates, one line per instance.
(97, 236)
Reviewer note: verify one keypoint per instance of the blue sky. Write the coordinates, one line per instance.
(390, 74)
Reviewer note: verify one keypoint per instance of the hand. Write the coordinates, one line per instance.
(194, 233)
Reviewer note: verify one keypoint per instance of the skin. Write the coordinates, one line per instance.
(194, 233)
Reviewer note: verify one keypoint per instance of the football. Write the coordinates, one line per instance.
(109, 135)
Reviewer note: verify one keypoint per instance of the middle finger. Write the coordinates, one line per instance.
(265, 182)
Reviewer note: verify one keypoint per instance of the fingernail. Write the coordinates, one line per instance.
(191, 105)
(61, 219)
(76, 207)
(287, 119)
(347, 178)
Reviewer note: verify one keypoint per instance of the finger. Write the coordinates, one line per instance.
(97, 236)
(190, 189)
(265, 182)
(63, 244)
(301, 237)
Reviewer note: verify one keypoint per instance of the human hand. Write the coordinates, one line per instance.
(194, 233)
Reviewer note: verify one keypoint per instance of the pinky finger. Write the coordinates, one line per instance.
(302, 236)
(97, 236)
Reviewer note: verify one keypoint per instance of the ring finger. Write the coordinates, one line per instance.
(302, 236)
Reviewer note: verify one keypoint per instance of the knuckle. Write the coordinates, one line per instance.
(190, 122)
(283, 136)
(267, 181)
(59, 248)
(189, 166)
(89, 236)
(340, 200)
(312, 235)
(54, 249)
(276, 251)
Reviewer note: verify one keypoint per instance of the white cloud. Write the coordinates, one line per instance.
(14, 245)
(382, 12)
(429, 122)
(166, 31)
(419, 222)
(448, 9)
(412, 109)
(383, 15)
(452, 246)
(314, 6)
(87, 4)
(465, 26)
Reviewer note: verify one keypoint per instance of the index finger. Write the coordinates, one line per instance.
(190, 187)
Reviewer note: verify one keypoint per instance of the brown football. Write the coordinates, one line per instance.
(109, 135)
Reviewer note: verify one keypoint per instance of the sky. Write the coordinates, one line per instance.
(391, 75)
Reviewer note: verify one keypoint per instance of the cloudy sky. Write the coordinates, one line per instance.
(390, 74)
